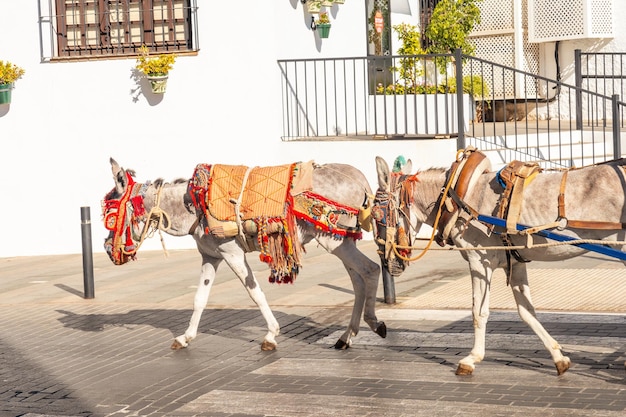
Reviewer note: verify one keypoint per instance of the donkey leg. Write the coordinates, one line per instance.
(207, 276)
(240, 267)
(370, 273)
(526, 310)
(364, 274)
(345, 341)
(481, 282)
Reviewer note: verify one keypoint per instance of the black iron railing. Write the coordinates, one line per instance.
(516, 114)
(602, 72)
(365, 98)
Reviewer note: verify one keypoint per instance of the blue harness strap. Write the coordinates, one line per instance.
(604, 250)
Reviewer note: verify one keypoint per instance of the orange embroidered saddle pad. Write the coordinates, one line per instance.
(260, 191)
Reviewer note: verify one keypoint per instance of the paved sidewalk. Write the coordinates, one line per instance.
(62, 355)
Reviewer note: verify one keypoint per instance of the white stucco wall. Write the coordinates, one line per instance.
(221, 106)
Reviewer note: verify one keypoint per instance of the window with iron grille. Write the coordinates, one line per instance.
(105, 28)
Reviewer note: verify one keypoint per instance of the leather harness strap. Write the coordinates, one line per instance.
(464, 170)
(523, 177)
(516, 175)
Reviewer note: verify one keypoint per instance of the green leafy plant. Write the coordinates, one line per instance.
(451, 23)
(154, 65)
(476, 86)
(410, 69)
(9, 73)
(418, 88)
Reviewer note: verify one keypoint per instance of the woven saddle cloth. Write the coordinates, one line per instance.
(235, 197)
(224, 191)
(258, 192)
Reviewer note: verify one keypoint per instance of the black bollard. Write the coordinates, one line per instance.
(85, 225)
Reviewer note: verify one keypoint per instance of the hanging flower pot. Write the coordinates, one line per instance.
(313, 6)
(158, 83)
(322, 25)
(156, 68)
(324, 30)
(9, 74)
(5, 93)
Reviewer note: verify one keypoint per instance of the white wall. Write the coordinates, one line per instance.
(221, 106)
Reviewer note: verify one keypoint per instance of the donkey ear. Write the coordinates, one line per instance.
(119, 176)
(115, 167)
(383, 173)
(407, 169)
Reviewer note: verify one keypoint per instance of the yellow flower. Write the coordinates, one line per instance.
(159, 65)
(9, 73)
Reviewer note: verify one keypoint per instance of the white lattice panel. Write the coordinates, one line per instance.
(495, 41)
(498, 49)
(553, 20)
(495, 15)
(602, 17)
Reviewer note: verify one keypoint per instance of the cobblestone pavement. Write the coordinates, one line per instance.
(62, 355)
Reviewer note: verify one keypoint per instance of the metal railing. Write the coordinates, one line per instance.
(603, 72)
(365, 98)
(538, 119)
(544, 120)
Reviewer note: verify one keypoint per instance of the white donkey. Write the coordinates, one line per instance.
(593, 207)
(130, 209)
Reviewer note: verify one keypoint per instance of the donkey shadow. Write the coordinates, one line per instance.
(590, 361)
(242, 324)
(248, 325)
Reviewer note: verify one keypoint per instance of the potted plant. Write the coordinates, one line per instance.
(156, 68)
(410, 70)
(416, 86)
(9, 73)
(322, 24)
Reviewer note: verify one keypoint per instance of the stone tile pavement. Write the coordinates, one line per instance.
(63, 355)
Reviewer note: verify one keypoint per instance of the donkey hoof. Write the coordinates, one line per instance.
(341, 345)
(464, 369)
(267, 346)
(176, 345)
(562, 366)
(381, 330)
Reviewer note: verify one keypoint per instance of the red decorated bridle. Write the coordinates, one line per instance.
(122, 217)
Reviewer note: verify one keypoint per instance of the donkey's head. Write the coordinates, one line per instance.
(124, 214)
(391, 212)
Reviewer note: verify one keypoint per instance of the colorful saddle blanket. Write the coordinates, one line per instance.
(264, 202)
